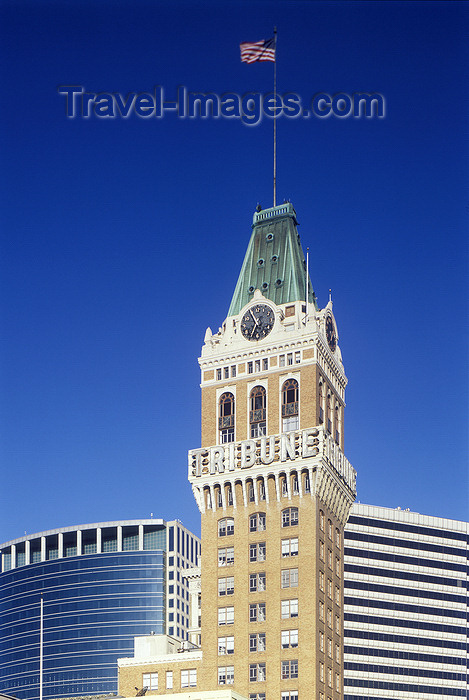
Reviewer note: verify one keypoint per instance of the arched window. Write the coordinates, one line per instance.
(225, 527)
(257, 412)
(321, 402)
(289, 517)
(290, 418)
(226, 418)
(257, 522)
(329, 413)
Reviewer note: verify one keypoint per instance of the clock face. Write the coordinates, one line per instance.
(257, 322)
(330, 333)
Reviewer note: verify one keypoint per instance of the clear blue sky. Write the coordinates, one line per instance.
(122, 241)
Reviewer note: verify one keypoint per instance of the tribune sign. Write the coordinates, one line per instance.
(301, 446)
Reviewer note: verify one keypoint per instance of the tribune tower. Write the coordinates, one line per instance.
(271, 480)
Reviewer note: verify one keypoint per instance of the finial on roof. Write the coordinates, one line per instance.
(330, 294)
(258, 208)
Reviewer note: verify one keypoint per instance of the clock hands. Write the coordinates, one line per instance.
(257, 322)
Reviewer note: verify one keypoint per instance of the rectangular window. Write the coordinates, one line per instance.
(289, 578)
(226, 616)
(290, 669)
(289, 608)
(329, 677)
(225, 675)
(226, 585)
(257, 612)
(321, 581)
(329, 617)
(257, 551)
(297, 357)
(337, 567)
(218, 374)
(150, 681)
(337, 624)
(321, 641)
(289, 639)
(321, 672)
(226, 556)
(227, 372)
(250, 368)
(329, 558)
(257, 582)
(337, 538)
(256, 696)
(337, 682)
(329, 588)
(337, 653)
(265, 363)
(337, 595)
(189, 678)
(225, 645)
(256, 672)
(329, 647)
(233, 371)
(289, 695)
(290, 547)
(257, 642)
(321, 550)
(329, 528)
(257, 365)
(290, 358)
(169, 680)
(281, 361)
(321, 611)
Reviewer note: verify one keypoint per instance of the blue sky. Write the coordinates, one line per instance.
(122, 239)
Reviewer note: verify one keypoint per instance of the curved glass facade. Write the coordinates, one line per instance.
(94, 604)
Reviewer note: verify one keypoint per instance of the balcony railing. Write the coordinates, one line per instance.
(257, 415)
(290, 409)
(226, 422)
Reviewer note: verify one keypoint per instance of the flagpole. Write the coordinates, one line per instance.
(275, 116)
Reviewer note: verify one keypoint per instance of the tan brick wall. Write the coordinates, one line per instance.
(209, 374)
(306, 592)
(209, 416)
(131, 677)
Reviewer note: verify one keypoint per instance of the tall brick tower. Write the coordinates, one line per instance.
(271, 481)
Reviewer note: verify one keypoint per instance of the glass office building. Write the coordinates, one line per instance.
(101, 585)
(406, 606)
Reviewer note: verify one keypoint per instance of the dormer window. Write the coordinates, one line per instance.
(226, 417)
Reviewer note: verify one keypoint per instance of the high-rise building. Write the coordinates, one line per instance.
(273, 487)
(101, 584)
(406, 605)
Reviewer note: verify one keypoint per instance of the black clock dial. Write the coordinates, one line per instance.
(330, 333)
(257, 322)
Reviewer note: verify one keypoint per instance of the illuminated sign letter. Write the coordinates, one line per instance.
(287, 447)
(216, 460)
(248, 454)
(267, 458)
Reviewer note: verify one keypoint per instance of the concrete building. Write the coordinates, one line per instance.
(406, 606)
(101, 585)
(273, 486)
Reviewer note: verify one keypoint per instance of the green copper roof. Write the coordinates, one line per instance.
(274, 261)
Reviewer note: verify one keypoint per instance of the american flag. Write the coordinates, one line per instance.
(252, 51)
